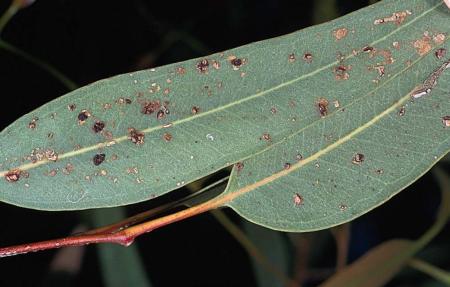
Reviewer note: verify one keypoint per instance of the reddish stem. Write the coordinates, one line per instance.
(123, 237)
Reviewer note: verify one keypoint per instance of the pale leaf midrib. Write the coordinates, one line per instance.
(61, 156)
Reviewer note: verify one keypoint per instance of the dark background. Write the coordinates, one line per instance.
(91, 40)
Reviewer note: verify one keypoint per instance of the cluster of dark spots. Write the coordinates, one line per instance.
(239, 166)
(107, 106)
(195, 110)
(149, 108)
(71, 107)
(298, 199)
(50, 135)
(446, 121)
(33, 123)
(83, 116)
(298, 157)
(135, 136)
(98, 126)
(358, 158)
(68, 169)
(286, 166)
(291, 58)
(167, 137)
(266, 137)
(202, 66)
(160, 115)
(402, 111)
(307, 57)
(322, 106)
(440, 53)
(98, 158)
(13, 175)
(341, 72)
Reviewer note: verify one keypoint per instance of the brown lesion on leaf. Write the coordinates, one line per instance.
(297, 199)
(286, 166)
(291, 58)
(98, 126)
(402, 111)
(98, 158)
(358, 158)
(202, 66)
(440, 53)
(340, 33)
(439, 38)
(308, 57)
(135, 136)
(239, 166)
(341, 72)
(167, 137)
(397, 18)
(13, 175)
(83, 116)
(322, 107)
(71, 107)
(149, 107)
(195, 110)
(123, 101)
(216, 65)
(446, 121)
(266, 137)
(236, 62)
(33, 123)
(423, 45)
(181, 71)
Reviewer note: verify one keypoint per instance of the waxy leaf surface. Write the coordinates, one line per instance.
(320, 124)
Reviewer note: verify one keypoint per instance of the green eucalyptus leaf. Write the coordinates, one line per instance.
(321, 122)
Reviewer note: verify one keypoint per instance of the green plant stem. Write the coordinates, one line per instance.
(69, 84)
(9, 13)
(433, 271)
(250, 248)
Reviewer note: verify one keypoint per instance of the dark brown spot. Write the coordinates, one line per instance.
(12, 175)
(236, 62)
(298, 157)
(308, 57)
(98, 158)
(379, 171)
(322, 106)
(167, 137)
(287, 166)
(291, 58)
(446, 121)
(83, 116)
(273, 110)
(367, 49)
(149, 108)
(402, 111)
(160, 115)
(340, 72)
(202, 66)
(298, 199)
(358, 158)
(266, 137)
(239, 166)
(135, 136)
(98, 126)
(440, 53)
(195, 110)
(32, 125)
(71, 107)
